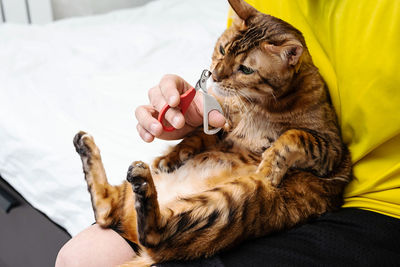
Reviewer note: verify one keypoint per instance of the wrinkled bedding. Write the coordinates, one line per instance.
(89, 74)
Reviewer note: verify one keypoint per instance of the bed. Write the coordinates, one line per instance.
(89, 74)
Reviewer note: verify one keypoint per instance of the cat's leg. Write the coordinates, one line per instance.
(202, 224)
(302, 150)
(191, 145)
(146, 203)
(104, 196)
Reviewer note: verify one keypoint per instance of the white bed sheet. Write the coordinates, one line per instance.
(90, 74)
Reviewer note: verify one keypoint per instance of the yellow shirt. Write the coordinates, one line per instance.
(356, 46)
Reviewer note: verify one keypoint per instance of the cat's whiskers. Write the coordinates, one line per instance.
(226, 104)
(242, 105)
(248, 99)
(247, 104)
(230, 93)
(227, 108)
(274, 96)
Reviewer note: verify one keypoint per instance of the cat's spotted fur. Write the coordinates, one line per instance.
(278, 162)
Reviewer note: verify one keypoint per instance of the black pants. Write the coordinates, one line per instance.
(349, 237)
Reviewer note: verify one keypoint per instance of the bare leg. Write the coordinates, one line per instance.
(95, 246)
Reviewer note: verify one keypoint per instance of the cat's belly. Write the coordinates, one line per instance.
(192, 178)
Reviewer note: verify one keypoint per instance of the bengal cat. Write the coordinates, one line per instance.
(278, 162)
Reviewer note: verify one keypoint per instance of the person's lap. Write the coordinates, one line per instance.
(347, 237)
(95, 247)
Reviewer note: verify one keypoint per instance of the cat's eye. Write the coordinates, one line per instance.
(222, 50)
(245, 70)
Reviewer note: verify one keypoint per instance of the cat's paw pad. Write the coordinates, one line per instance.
(139, 175)
(84, 144)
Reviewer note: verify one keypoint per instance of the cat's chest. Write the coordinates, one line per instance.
(255, 139)
(256, 130)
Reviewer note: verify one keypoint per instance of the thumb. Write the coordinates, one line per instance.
(215, 118)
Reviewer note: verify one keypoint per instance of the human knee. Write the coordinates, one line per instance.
(94, 247)
(66, 257)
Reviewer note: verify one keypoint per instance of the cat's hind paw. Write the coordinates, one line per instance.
(139, 176)
(84, 145)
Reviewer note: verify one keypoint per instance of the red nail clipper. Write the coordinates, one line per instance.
(209, 104)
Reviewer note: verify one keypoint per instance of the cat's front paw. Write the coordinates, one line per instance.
(139, 176)
(166, 163)
(84, 145)
(172, 160)
(272, 173)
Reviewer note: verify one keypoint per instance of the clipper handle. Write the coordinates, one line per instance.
(209, 104)
(184, 104)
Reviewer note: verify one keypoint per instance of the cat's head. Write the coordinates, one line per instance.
(257, 57)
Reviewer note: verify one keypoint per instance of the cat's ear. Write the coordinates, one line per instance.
(290, 51)
(242, 13)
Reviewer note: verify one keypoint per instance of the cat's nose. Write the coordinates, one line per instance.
(215, 76)
(219, 73)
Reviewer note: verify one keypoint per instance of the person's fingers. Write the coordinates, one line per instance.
(216, 119)
(173, 116)
(145, 135)
(149, 128)
(168, 93)
(171, 87)
(145, 116)
(177, 134)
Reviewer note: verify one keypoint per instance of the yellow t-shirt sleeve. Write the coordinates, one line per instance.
(355, 44)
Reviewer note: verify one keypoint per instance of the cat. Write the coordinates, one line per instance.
(278, 162)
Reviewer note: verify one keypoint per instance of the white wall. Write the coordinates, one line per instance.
(71, 8)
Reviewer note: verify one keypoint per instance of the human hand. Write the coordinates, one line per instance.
(168, 91)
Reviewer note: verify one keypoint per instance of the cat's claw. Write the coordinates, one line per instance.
(138, 176)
